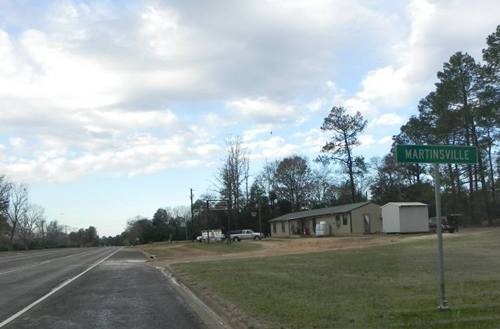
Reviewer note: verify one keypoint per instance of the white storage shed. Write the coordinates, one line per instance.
(405, 217)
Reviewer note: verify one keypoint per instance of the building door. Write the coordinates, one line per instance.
(366, 219)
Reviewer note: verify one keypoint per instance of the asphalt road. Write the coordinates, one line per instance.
(88, 288)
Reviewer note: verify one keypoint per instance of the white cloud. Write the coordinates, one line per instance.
(438, 29)
(387, 119)
(366, 141)
(138, 154)
(386, 140)
(272, 148)
(91, 86)
(45, 70)
(331, 96)
(264, 110)
(308, 143)
(17, 142)
(311, 141)
(252, 133)
(160, 27)
(216, 121)
(126, 120)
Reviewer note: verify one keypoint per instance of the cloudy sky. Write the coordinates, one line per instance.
(110, 109)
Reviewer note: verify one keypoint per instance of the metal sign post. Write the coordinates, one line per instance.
(443, 303)
(437, 154)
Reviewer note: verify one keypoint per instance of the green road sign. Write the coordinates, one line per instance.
(436, 154)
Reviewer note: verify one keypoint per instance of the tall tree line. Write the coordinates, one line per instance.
(167, 224)
(463, 109)
(24, 225)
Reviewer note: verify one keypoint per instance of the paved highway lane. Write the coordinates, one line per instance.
(120, 292)
(22, 284)
(20, 261)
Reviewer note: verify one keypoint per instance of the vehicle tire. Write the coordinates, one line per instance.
(256, 238)
(236, 239)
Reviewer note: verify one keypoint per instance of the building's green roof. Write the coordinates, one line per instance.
(345, 208)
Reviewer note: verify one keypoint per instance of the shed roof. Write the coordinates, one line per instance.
(405, 204)
(321, 212)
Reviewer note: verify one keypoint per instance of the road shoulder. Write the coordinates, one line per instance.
(209, 305)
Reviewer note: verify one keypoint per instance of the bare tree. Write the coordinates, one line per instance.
(181, 213)
(267, 179)
(323, 190)
(5, 189)
(17, 208)
(233, 175)
(294, 181)
(41, 227)
(29, 222)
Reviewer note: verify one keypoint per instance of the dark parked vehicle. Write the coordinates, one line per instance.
(449, 223)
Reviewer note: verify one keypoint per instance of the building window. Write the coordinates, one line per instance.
(337, 220)
(283, 227)
(344, 219)
(274, 227)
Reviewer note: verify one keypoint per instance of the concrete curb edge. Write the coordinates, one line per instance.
(210, 317)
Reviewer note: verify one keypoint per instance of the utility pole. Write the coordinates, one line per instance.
(260, 217)
(208, 221)
(191, 197)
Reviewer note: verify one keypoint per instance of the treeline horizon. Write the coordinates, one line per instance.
(24, 225)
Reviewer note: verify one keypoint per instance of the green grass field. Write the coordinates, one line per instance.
(176, 249)
(222, 247)
(392, 286)
(160, 249)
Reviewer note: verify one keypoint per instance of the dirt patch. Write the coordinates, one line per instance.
(182, 253)
(177, 251)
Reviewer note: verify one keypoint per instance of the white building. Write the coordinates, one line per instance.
(405, 217)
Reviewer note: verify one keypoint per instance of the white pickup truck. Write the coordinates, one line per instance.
(215, 236)
(245, 235)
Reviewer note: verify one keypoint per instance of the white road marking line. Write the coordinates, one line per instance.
(53, 291)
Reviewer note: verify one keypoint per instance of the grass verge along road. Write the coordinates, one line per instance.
(391, 286)
(176, 250)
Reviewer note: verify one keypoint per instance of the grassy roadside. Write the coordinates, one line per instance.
(392, 286)
(234, 247)
(177, 249)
